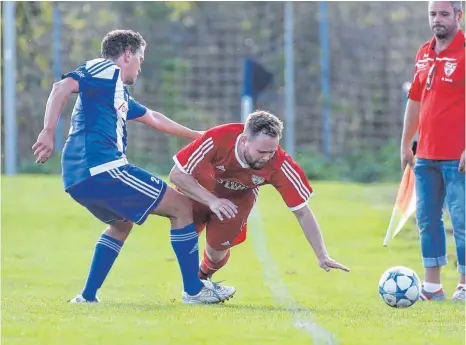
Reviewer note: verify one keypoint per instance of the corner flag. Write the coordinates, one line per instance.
(405, 204)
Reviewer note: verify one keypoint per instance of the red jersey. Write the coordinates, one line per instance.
(439, 86)
(214, 162)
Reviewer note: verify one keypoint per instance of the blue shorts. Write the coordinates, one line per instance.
(126, 193)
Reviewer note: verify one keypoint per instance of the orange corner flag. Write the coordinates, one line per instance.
(405, 205)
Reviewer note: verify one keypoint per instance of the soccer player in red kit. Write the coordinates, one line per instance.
(222, 171)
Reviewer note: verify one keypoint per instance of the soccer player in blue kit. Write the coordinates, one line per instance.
(96, 172)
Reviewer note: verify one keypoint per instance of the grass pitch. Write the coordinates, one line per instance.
(48, 241)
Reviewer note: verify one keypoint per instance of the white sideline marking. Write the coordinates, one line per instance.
(302, 318)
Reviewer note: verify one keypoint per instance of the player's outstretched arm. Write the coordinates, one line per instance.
(312, 232)
(61, 91)
(223, 208)
(162, 123)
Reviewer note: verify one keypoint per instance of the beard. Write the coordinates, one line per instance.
(255, 165)
(440, 32)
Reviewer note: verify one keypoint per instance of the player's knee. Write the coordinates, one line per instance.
(127, 227)
(119, 230)
(184, 209)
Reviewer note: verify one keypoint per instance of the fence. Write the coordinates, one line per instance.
(194, 68)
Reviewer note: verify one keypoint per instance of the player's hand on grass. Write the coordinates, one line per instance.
(43, 148)
(462, 163)
(223, 208)
(407, 157)
(328, 263)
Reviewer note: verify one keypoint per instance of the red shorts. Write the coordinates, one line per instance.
(221, 235)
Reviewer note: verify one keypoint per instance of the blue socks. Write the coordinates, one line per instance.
(185, 244)
(106, 251)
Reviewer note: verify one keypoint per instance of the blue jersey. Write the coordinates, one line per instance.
(97, 139)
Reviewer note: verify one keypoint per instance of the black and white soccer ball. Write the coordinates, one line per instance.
(399, 287)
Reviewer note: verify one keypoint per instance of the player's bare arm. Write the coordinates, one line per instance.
(162, 123)
(191, 187)
(61, 92)
(312, 232)
(411, 123)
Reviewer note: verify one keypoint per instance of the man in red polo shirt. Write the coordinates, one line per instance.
(436, 109)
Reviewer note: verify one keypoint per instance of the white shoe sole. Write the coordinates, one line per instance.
(199, 302)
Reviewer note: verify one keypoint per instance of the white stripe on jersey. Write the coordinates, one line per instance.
(76, 109)
(119, 99)
(256, 194)
(119, 130)
(198, 155)
(93, 65)
(108, 72)
(95, 72)
(295, 180)
(178, 164)
(445, 59)
(101, 68)
(424, 60)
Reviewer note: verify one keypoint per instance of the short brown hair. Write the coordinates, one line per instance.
(262, 121)
(116, 42)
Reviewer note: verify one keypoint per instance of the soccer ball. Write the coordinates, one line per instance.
(399, 287)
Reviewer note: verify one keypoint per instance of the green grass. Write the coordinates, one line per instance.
(48, 241)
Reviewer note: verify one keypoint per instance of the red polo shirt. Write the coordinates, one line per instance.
(439, 85)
